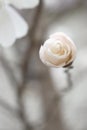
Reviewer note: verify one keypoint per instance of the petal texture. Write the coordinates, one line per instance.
(58, 51)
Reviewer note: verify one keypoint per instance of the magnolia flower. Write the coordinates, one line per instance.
(58, 51)
(12, 25)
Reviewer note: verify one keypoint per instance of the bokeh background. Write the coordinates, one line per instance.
(33, 96)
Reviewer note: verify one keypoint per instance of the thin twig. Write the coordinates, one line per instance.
(69, 78)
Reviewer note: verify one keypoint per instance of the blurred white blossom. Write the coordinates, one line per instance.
(12, 25)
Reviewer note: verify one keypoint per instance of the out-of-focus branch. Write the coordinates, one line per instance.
(8, 108)
(32, 36)
(25, 66)
(8, 70)
(26, 62)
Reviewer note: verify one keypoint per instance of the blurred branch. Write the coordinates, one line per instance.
(32, 34)
(51, 99)
(8, 70)
(26, 62)
(25, 66)
(8, 108)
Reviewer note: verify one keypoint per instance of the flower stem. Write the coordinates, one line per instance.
(69, 78)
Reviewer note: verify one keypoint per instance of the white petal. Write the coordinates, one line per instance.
(21, 4)
(56, 60)
(20, 25)
(7, 32)
(66, 39)
(42, 57)
(49, 42)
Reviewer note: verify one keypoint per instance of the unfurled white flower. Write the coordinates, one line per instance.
(12, 25)
(58, 51)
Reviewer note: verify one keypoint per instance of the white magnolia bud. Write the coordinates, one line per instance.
(58, 51)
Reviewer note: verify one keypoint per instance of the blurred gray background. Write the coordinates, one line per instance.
(32, 96)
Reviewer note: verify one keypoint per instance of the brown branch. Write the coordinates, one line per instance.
(26, 62)
(32, 34)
